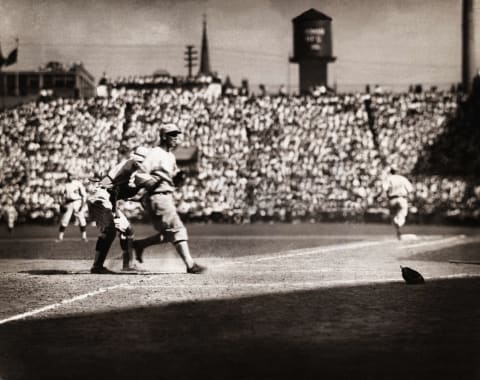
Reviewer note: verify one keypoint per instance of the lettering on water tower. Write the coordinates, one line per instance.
(314, 38)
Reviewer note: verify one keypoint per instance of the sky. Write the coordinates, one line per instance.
(386, 42)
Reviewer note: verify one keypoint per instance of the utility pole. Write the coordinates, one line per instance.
(191, 56)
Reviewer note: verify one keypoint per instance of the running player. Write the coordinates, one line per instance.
(159, 174)
(397, 188)
(74, 202)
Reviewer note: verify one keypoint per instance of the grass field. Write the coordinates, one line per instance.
(303, 301)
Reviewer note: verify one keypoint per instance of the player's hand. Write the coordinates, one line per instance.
(131, 181)
(121, 223)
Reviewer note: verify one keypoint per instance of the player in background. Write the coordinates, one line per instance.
(160, 175)
(74, 202)
(397, 189)
(102, 205)
(10, 214)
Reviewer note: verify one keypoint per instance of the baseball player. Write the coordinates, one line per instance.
(102, 206)
(74, 201)
(10, 214)
(397, 188)
(159, 174)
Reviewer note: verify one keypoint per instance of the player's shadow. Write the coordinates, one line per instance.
(49, 272)
(46, 272)
(63, 272)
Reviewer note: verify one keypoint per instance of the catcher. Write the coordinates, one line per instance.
(102, 207)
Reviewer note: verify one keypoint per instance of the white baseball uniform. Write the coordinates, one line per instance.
(397, 188)
(75, 196)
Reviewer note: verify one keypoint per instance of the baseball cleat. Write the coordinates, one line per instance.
(101, 270)
(196, 269)
(133, 268)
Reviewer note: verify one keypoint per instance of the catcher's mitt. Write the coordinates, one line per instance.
(180, 178)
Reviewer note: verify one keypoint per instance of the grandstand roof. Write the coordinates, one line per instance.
(310, 15)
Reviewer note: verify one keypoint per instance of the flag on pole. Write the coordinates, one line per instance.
(11, 58)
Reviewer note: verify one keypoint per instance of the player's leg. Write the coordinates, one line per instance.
(103, 217)
(401, 216)
(167, 221)
(82, 221)
(65, 220)
(139, 245)
(126, 231)
(398, 208)
(104, 242)
(10, 226)
(10, 223)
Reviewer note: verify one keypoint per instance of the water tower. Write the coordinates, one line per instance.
(312, 48)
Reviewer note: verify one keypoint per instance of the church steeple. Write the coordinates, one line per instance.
(204, 57)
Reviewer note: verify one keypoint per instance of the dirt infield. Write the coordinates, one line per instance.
(275, 304)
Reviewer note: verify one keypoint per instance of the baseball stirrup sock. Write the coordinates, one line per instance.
(101, 248)
(127, 248)
(148, 241)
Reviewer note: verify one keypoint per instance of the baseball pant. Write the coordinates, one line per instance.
(162, 211)
(399, 210)
(73, 208)
(101, 211)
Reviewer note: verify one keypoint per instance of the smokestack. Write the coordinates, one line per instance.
(468, 43)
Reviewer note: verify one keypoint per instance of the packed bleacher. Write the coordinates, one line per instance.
(261, 158)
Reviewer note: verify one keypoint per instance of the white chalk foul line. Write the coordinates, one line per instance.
(344, 246)
(310, 251)
(450, 239)
(62, 303)
(288, 254)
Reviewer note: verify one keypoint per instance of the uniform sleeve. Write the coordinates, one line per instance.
(143, 176)
(176, 169)
(150, 172)
(386, 185)
(148, 162)
(82, 190)
(409, 186)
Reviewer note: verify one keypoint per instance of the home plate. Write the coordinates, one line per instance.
(409, 237)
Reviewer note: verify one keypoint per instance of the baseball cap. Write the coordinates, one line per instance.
(170, 128)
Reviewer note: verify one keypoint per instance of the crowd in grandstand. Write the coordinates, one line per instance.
(277, 157)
